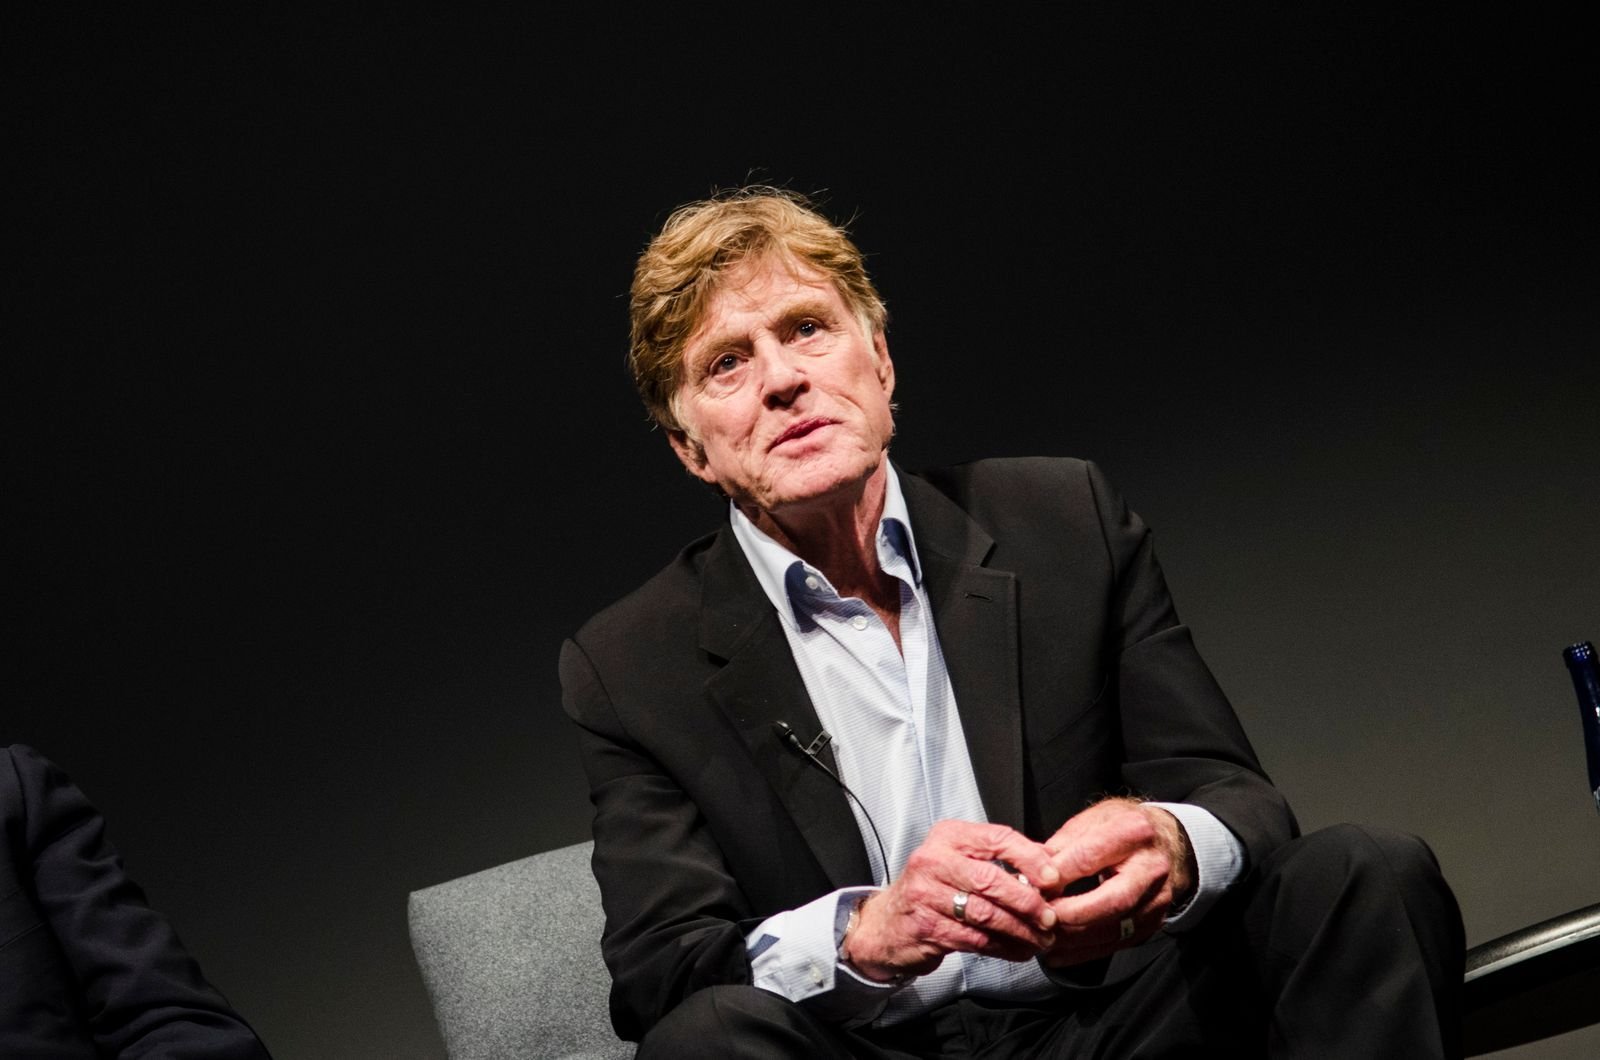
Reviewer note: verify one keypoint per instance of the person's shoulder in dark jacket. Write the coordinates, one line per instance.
(91, 970)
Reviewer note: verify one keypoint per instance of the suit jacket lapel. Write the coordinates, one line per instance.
(975, 613)
(759, 685)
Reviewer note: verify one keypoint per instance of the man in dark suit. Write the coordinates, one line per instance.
(87, 968)
(1034, 827)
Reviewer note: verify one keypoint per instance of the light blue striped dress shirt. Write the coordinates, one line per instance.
(899, 746)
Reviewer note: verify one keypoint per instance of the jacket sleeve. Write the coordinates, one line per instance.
(673, 910)
(139, 992)
(1181, 740)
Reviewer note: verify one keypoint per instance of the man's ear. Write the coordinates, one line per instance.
(691, 453)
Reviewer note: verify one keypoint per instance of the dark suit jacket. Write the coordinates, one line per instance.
(87, 968)
(1072, 675)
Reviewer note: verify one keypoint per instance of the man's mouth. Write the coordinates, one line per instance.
(800, 429)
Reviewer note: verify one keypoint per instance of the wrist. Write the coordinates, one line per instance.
(1184, 857)
(1184, 870)
(851, 937)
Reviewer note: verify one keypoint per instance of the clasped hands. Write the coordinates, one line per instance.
(1138, 853)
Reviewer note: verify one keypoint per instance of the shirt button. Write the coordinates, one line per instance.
(860, 622)
(812, 583)
(816, 974)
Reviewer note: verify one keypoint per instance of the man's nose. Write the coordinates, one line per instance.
(782, 377)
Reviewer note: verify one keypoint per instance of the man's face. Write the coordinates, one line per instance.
(785, 395)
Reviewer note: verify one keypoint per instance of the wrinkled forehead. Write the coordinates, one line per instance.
(761, 284)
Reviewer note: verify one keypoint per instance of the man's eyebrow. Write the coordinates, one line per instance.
(807, 307)
(786, 313)
(705, 344)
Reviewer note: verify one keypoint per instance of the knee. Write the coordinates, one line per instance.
(1336, 863)
(1351, 851)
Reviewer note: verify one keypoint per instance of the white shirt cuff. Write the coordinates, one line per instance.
(795, 954)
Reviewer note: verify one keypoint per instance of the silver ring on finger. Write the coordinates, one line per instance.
(958, 905)
(1125, 929)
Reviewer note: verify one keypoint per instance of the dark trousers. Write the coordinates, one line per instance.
(1346, 943)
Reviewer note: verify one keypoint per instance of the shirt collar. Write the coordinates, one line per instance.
(779, 570)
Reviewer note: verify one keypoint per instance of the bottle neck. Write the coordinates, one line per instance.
(1580, 659)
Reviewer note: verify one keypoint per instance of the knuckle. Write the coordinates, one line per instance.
(993, 834)
(1134, 826)
(922, 921)
(948, 832)
(986, 876)
(973, 940)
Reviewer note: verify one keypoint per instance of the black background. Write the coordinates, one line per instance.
(320, 439)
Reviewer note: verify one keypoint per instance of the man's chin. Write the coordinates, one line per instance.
(814, 489)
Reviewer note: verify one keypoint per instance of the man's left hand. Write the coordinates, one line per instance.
(1142, 859)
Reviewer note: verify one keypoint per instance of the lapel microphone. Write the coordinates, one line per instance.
(786, 733)
(813, 754)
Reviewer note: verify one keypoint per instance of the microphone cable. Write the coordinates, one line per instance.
(786, 733)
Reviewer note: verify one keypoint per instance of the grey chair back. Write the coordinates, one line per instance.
(511, 960)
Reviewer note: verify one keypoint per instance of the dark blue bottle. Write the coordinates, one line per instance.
(1586, 682)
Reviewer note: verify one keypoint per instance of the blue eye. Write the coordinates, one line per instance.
(726, 363)
(806, 328)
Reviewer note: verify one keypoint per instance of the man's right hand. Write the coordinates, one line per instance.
(907, 928)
